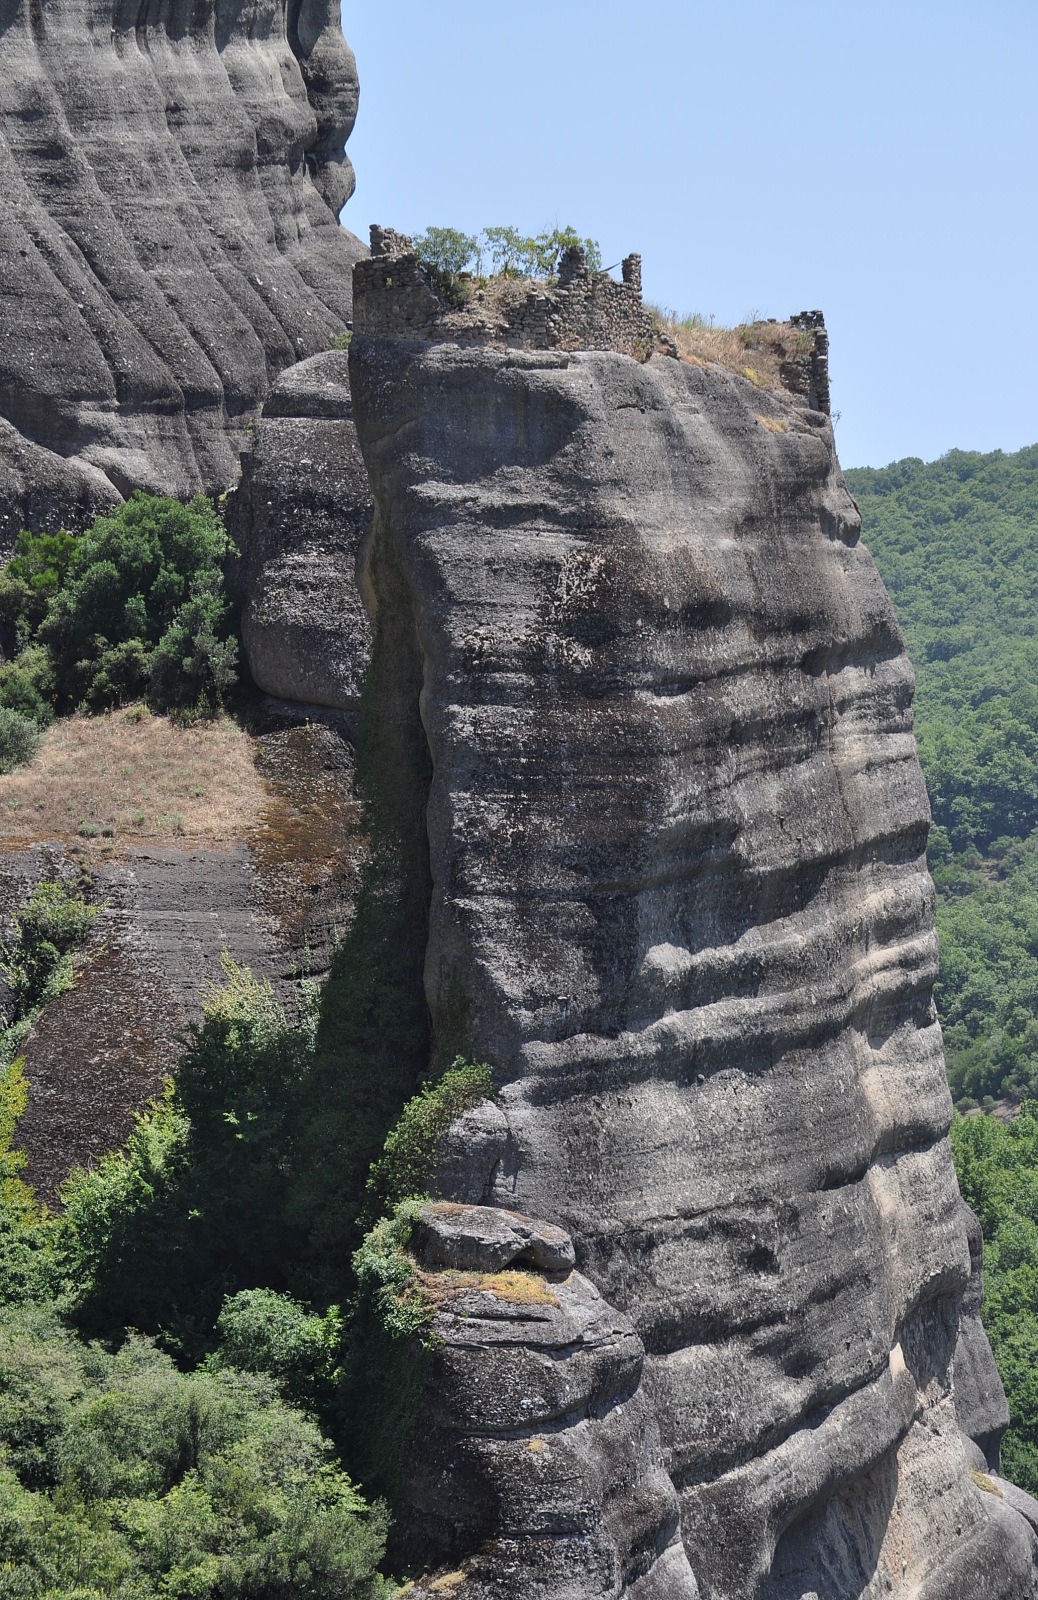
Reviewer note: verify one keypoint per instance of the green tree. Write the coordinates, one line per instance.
(135, 607)
(125, 1477)
(997, 1163)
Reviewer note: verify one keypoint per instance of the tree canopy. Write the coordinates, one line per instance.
(956, 541)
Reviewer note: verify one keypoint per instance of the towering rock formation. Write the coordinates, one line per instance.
(680, 903)
(170, 178)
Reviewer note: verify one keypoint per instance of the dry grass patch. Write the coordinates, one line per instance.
(518, 1288)
(129, 776)
(755, 350)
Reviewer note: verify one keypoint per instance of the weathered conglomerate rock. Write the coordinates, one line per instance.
(540, 1462)
(486, 1239)
(170, 180)
(680, 902)
(298, 518)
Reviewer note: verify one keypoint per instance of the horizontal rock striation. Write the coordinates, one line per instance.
(298, 518)
(169, 186)
(540, 1463)
(277, 900)
(680, 902)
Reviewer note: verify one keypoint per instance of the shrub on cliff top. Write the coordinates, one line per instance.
(446, 253)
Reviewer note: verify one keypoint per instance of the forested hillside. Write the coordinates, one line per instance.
(957, 543)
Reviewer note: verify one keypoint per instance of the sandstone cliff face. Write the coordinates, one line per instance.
(299, 518)
(169, 186)
(680, 903)
(540, 1448)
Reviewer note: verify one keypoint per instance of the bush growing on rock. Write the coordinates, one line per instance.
(40, 962)
(52, 925)
(407, 1165)
(447, 253)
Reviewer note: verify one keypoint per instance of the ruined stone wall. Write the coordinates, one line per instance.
(806, 372)
(582, 310)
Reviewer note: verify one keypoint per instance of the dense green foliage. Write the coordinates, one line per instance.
(955, 540)
(121, 1473)
(997, 1163)
(957, 543)
(122, 1476)
(195, 1206)
(133, 608)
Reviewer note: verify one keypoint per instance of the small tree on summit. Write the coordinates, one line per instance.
(447, 253)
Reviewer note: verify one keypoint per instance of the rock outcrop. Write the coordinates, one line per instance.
(980, 1400)
(298, 518)
(541, 1456)
(169, 242)
(680, 903)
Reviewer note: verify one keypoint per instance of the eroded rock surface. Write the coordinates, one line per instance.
(169, 188)
(299, 518)
(980, 1400)
(680, 901)
(540, 1463)
(486, 1239)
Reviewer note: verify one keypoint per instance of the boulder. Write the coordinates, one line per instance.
(539, 1469)
(486, 1239)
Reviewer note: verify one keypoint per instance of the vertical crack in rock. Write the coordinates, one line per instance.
(373, 1038)
(169, 242)
(680, 903)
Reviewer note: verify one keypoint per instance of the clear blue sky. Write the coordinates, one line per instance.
(873, 158)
